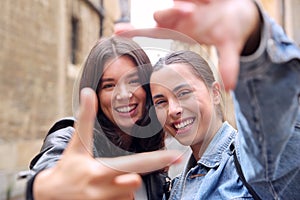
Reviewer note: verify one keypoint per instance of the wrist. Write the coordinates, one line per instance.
(41, 189)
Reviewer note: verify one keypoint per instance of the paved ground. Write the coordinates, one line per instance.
(11, 188)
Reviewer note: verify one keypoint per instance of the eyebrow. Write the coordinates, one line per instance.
(158, 96)
(174, 90)
(107, 80)
(135, 73)
(132, 74)
(180, 86)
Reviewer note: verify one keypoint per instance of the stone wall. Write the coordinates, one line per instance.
(37, 75)
(29, 63)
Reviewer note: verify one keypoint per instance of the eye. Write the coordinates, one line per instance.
(108, 86)
(183, 93)
(134, 81)
(159, 102)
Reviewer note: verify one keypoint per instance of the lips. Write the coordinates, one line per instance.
(126, 109)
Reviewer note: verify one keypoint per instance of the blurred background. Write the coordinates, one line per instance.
(42, 46)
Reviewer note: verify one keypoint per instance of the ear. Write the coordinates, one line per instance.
(216, 90)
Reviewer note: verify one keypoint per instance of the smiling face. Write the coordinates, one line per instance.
(184, 105)
(122, 98)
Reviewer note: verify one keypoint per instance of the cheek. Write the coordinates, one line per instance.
(206, 109)
(162, 116)
(105, 101)
(140, 94)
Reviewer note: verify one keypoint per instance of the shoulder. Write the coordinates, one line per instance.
(60, 133)
(62, 123)
(56, 139)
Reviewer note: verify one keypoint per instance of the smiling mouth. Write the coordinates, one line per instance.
(126, 109)
(183, 124)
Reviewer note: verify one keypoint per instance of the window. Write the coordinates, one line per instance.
(74, 41)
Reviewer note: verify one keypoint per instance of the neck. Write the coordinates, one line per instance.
(125, 139)
(199, 148)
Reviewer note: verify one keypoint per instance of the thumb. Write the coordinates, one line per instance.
(168, 18)
(143, 162)
(120, 28)
(82, 140)
(228, 65)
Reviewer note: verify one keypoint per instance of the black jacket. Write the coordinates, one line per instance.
(56, 141)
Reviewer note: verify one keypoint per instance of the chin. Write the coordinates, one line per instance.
(123, 125)
(185, 142)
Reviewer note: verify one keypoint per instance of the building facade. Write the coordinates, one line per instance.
(43, 44)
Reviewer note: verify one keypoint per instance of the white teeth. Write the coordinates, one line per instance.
(125, 109)
(183, 123)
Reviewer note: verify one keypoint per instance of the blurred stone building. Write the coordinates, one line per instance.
(43, 43)
(286, 13)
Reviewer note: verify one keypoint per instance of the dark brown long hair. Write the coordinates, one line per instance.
(147, 133)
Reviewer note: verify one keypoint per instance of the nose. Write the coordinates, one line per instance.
(123, 93)
(175, 109)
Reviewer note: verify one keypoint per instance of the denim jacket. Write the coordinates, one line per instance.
(267, 109)
(213, 176)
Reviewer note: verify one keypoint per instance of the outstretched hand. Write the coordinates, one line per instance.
(226, 24)
(79, 176)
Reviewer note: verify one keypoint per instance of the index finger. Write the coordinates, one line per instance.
(82, 140)
(229, 65)
(156, 33)
(142, 162)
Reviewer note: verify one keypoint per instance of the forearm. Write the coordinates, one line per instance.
(267, 93)
(37, 187)
(267, 43)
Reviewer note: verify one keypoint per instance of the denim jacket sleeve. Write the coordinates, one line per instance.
(267, 103)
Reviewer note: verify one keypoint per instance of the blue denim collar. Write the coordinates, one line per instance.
(213, 154)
